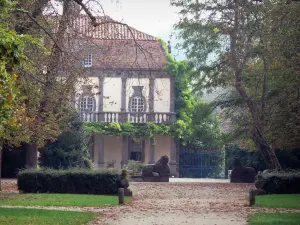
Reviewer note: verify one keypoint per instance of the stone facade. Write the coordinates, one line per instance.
(126, 83)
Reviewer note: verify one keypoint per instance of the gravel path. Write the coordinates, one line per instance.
(182, 203)
(190, 201)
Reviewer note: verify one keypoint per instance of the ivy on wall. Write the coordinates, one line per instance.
(184, 107)
(137, 131)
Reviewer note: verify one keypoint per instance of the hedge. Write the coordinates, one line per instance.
(76, 181)
(280, 182)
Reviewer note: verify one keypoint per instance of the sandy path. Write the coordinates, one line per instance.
(192, 201)
(182, 203)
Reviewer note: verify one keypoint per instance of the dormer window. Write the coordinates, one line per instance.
(88, 61)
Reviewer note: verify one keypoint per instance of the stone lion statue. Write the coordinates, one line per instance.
(241, 174)
(162, 167)
(159, 172)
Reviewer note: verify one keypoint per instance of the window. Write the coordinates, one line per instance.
(137, 104)
(88, 61)
(87, 104)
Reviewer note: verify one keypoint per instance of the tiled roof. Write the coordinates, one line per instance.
(109, 29)
(119, 46)
(128, 54)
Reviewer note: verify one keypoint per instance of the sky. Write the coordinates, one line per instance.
(154, 17)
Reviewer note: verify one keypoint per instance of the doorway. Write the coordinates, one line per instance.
(136, 150)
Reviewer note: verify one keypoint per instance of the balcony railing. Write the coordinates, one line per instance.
(156, 117)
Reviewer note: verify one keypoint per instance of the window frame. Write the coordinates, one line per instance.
(135, 103)
(88, 60)
(87, 103)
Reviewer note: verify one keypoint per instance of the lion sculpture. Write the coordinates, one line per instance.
(241, 174)
(159, 172)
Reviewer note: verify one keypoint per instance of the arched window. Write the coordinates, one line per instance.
(137, 104)
(87, 104)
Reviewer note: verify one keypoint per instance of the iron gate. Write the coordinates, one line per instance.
(198, 164)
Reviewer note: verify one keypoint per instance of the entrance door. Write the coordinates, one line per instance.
(136, 150)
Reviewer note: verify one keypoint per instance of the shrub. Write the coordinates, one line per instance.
(135, 166)
(288, 159)
(280, 182)
(70, 150)
(76, 181)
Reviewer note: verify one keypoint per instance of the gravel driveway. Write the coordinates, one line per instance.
(182, 203)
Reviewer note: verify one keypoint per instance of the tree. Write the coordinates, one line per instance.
(71, 149)
(48, 78)
(281, 102)
(223, 39)
(12, 111)
(205, 125)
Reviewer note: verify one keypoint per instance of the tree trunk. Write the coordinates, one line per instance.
(31, 155)
(238, 64)
(257, 135)
(267, 150)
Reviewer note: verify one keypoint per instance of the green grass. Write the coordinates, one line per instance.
(58, 200)
(278, 201)
(275, 219)
(40, 216)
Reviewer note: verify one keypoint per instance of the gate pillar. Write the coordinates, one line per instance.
(173, 154)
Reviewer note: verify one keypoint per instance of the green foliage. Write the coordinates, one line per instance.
(38, 199)
(14, 216)
(201, 126)
(206, 134)
(11, 102)
(70, 150)
(135, 166)
(137, 131)
(76, 181)
(291, 201)
(247, 158)
(280, 182)
(270, 56)
(274, 219)
(289, 159)
(184, 100)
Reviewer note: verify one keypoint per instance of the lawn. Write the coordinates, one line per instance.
(16, 216)
(275, 219)
(278, 201)
(58, 200)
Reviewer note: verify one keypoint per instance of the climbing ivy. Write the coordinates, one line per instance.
(184, 107)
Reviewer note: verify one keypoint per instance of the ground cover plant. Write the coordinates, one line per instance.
(274, 219)
(58, 200)
(14, 216)
(279, 201)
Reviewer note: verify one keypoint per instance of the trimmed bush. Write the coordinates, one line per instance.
(76, 181)
(279, 182)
